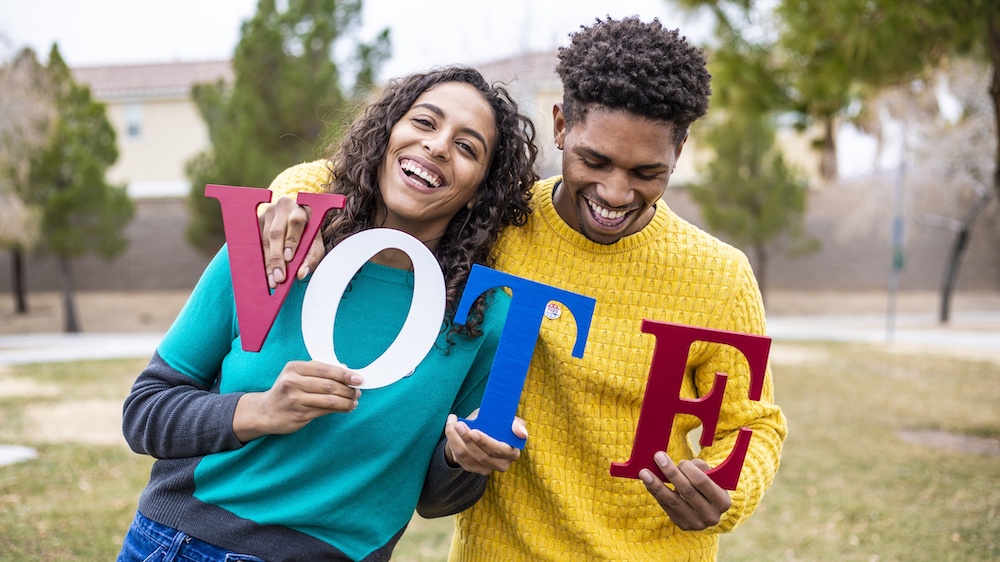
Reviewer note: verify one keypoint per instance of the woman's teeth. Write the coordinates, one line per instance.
(415, 169)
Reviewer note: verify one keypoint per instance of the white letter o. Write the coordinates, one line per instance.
(423, 321)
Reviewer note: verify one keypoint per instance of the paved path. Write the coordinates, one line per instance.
(50, 348)
(972, 330)
(10, 454)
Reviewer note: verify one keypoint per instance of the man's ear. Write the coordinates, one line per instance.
(680, 145)
(558, 125)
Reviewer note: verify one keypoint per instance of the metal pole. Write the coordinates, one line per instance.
(898, 256)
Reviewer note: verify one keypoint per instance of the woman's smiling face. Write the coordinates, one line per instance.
(437, 157)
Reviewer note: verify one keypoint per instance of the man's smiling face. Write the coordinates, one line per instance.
(615, 167)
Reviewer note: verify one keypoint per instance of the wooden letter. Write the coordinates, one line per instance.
(662, 399)
(256, 306)
(517, 343)
(423, 321)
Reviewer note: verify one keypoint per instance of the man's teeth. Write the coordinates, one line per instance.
(605, 213)
(421, 173)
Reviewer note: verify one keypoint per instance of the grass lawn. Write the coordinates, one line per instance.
(861, 477)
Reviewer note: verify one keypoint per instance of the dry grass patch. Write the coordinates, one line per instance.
(850, 488)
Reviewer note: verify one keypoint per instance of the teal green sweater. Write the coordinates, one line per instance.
(342, 487)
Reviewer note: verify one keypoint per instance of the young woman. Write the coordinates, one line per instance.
(271, 456)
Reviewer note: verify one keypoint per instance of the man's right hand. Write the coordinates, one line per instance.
(281, 227)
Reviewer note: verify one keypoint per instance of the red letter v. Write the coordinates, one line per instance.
(256, 306)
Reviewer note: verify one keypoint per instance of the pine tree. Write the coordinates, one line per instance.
(747, 191)
(81, 212)
(286, 105)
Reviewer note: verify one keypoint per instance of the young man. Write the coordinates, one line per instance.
(631, 90)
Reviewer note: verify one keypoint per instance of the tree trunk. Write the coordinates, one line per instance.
(17, 281)
(955, 258)
(993, 37)
(828, 156)
(71, 324)
(761, 271)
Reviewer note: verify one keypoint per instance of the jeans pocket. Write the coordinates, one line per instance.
(232, 557)
(142, 543)
(139, 547)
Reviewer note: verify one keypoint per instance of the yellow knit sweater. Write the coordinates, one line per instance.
(558, 501)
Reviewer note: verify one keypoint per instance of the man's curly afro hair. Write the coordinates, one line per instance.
(642, 68)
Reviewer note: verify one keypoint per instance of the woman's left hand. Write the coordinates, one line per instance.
(477, 452)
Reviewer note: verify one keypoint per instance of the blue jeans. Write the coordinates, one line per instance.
(149, 541)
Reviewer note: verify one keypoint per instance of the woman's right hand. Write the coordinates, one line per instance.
(281, 226)
(304, 390)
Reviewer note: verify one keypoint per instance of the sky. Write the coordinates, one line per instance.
(425, 33)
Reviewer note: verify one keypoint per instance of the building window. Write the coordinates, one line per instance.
(133, 121)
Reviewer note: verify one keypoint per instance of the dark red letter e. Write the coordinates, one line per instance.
(662, 400)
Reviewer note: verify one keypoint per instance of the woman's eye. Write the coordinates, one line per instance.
(467, 147)
(423, 122)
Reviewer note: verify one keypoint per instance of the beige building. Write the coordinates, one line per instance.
(158, 126)
(158, 129)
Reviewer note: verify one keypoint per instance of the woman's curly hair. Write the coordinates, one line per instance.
(642, 68)
(501, 200)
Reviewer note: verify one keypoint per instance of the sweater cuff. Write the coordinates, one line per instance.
(447, 489)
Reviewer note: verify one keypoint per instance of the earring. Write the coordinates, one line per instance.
(559, 146)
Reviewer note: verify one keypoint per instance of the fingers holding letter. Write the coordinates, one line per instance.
(281, 226)
(695, 502)
(477, 452)
(304, 390)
